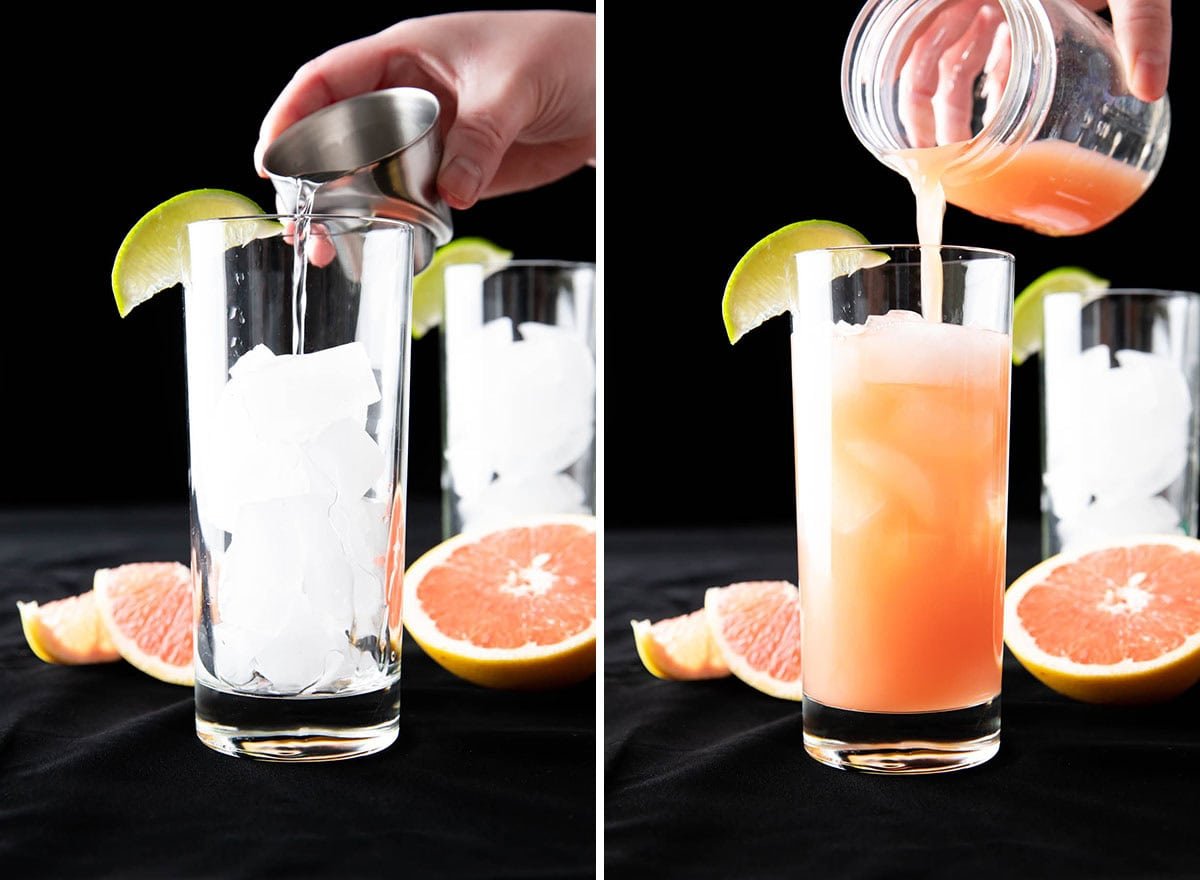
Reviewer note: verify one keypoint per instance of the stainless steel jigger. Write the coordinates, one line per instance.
(376, 153)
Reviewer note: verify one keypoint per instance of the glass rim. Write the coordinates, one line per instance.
(366, 219)
(533, 264)
(967, 250)
(1108, 292)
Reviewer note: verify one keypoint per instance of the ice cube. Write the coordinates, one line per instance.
(1069, 411)
(233, 654)
(902, 351)
(895, 474)
(471, 360)
(1102, 522)
(345, 455)
(1135, 426)
(294, 397)
(296, 657)
(508, 499)
(263, 570)
(237, 467)
(541, 407)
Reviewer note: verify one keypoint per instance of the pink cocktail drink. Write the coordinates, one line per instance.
(901, 486)
(904, 610)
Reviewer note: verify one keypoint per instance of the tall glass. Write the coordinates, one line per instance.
(518, 393)
(901, 497)
(297, 372)
(1120, 415)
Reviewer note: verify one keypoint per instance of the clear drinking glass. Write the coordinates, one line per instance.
(901, 498)
(518, 393)
(297, 373)
(1120, 415)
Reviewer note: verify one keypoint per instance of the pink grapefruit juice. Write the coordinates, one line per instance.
(1050, 186)
(902, 447)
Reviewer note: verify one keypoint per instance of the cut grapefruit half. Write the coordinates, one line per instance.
(147, 609)
(67, 631)
(513, 607)
(756, 626)
(679, 648)
(1114, 624)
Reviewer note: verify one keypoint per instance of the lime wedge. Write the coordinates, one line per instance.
(758, 289)
(1027, 307)
(151, 258)
(429, 287)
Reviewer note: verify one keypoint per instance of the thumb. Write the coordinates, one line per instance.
(488, 121)
(1143, 32)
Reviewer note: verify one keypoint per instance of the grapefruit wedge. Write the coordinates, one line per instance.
(513, 607)
(1115, 624)
(756, 626)
(147, 610)
(67, 631)
(679, 648)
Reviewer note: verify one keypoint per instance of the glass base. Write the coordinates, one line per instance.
(316, 728)
(917, 742)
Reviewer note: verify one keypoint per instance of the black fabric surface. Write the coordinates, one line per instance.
(101, 773)
(710, 779)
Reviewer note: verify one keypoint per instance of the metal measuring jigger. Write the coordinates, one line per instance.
(376, 153)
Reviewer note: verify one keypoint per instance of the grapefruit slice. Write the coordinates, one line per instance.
(679, 648)
(1115, 624)
(67, 631)
(512, 608)
(756, 626)
(147, 609)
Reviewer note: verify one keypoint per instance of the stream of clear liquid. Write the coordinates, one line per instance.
(306, 193)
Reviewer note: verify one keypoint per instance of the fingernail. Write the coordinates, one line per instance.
(1149, 73)
(460, 181)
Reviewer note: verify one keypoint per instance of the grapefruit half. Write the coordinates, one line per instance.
(1114, 624)
(513, 607)
(147, 610)
(756, 626)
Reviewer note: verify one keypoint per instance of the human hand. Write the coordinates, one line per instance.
(517, 89)
(970, 37)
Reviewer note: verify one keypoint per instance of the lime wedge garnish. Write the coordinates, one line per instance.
(151, 258)
(429, 287)
(1027, 307)
(759, 289)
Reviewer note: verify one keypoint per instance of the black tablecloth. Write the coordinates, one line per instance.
(710, 779)
(101, 774)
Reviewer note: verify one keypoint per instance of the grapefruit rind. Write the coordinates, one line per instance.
(694, 657)
(529, 667)
(738, 665)
(1128, 682)
(155, 667)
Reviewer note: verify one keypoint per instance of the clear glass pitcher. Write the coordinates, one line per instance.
(1021, 107)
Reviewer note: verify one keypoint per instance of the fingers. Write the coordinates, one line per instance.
(962, 62)
(491, 113)
(920, 73)
(1143, 32)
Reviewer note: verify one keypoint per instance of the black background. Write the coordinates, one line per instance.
(727, 129)
(719, 129)
(94, 405)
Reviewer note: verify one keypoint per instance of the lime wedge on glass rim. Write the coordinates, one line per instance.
(153, 254)
(429, 287)
(1027, 307)
(759, 287)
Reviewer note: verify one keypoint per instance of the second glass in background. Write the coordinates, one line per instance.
(1120, 415)
(518, 393)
